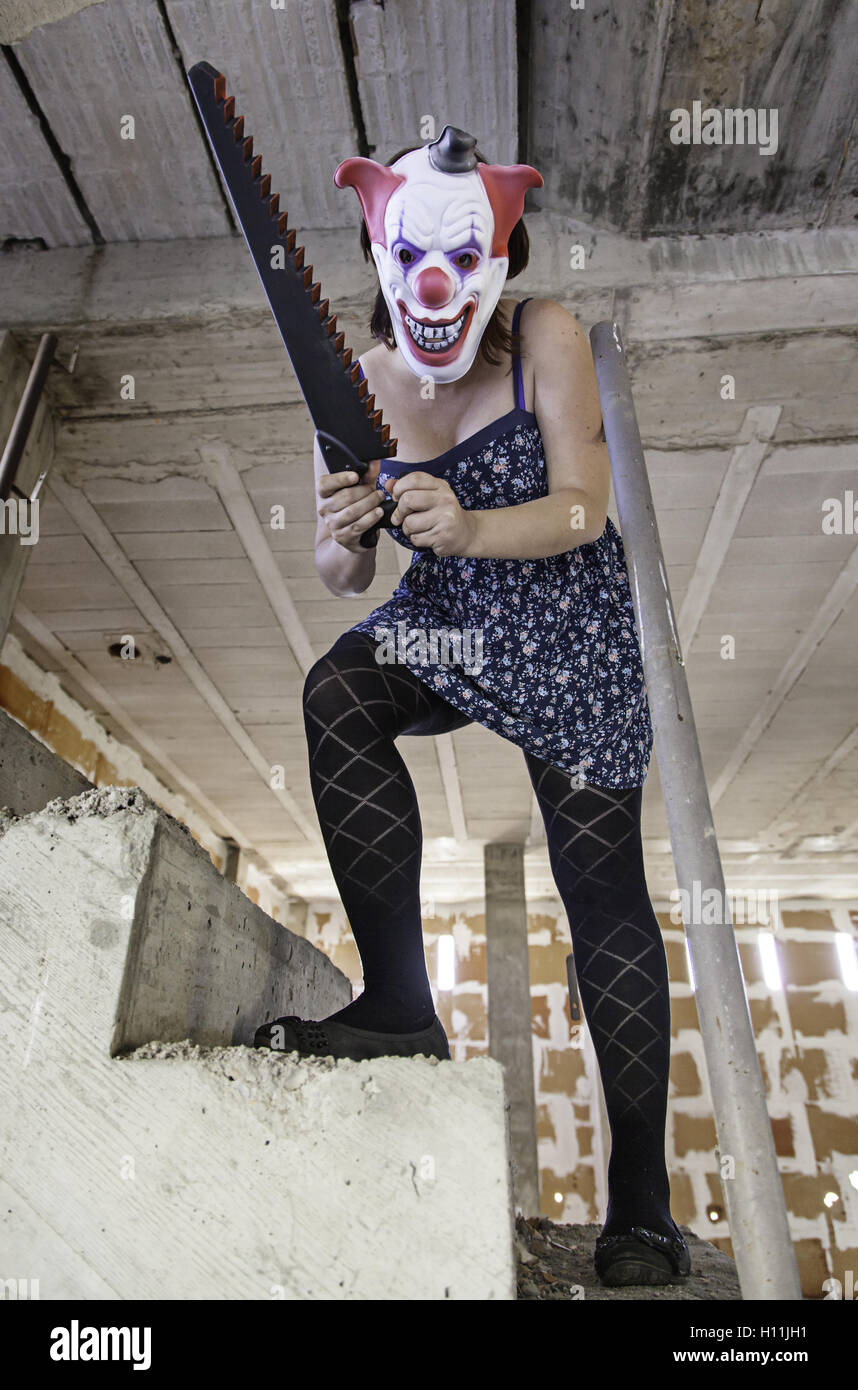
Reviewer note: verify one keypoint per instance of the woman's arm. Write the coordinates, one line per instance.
(566, 403)
(345, 510)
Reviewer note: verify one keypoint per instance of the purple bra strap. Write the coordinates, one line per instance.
(518, 383)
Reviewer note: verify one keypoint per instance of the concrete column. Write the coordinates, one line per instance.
(510, 1026)
(233, 854)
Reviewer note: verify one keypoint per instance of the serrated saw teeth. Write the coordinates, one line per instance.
(322, 306)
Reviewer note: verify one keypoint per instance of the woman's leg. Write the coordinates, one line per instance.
(354, 708)
(594, 846)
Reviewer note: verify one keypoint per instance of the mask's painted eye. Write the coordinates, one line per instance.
(404, 256)
(466, 260)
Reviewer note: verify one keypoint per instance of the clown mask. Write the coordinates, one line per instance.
(438, 225)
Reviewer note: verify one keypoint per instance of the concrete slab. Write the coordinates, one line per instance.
(234, 1174)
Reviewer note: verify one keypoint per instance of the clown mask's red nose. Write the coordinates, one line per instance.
(433, 287)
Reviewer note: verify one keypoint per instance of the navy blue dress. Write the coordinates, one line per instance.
(542, 651)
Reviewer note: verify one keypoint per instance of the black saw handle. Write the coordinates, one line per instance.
(340, 459)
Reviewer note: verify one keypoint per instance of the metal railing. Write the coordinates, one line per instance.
(756, 1211)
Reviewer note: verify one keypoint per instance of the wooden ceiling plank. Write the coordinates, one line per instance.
(228, 481)
(757, 429)
(83, 512)
(827, 614)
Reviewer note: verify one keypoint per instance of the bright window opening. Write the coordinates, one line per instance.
(446, 962)
(769, 958)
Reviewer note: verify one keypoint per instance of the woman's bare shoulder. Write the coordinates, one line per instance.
(379, 368)
(375, 358)
(550, 319)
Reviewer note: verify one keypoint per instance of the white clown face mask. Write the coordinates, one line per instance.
(438, 225)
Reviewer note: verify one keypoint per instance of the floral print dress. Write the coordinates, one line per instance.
(545, 651)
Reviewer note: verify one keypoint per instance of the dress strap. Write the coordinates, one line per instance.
(518, 383)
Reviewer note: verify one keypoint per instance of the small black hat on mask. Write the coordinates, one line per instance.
(453, 152)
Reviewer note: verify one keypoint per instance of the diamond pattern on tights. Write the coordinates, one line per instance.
(354, 708)
(597, 861)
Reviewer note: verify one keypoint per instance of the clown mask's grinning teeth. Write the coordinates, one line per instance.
(435, 337)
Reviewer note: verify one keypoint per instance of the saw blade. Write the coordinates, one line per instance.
(332, 384)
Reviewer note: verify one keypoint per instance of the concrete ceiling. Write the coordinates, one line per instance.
(585, 94)
(156, 523)
(604, 80)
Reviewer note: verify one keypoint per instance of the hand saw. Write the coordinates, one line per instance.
(348, 428)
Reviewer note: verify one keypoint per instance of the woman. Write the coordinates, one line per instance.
(501, 483)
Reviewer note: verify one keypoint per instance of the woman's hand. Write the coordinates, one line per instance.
(428, 512)
(348, 507)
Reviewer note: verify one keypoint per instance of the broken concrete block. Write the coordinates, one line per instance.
(133, 920)
(181, 1172)
(31, 774)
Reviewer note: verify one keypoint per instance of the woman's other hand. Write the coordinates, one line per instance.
(428, 511)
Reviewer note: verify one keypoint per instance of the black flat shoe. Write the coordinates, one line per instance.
(639, 1256)
(330, 1039)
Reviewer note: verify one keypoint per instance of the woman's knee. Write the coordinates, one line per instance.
(340, 679)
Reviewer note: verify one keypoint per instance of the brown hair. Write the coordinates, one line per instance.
(497, 338)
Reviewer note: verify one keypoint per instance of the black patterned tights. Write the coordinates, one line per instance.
(354, 709)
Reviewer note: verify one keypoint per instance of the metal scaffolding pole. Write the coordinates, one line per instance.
(754, 1195)
(25, 414)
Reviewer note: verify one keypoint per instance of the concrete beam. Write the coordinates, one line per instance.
(213, 278)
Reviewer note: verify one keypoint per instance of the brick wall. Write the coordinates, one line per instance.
(807, 1042)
